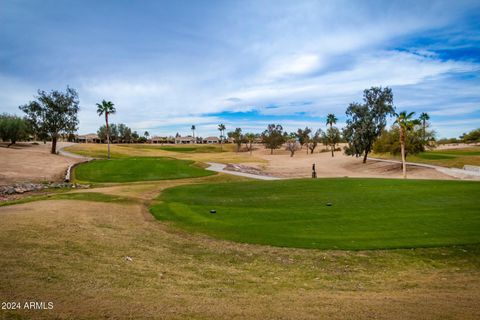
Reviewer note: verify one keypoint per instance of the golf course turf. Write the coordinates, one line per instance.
(138, 169)
(364, 213)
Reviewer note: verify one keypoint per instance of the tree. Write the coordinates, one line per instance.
(12, 128)
(303, 136)
(124, 133)
(365, 122)
(193, 132)
(146, 135)
(406, 124)
(136, 136)
(424, 117)
(106, 108)
(331, 138)
(221, 128)
(331, 119)
(54, 113)
(314, 139)
(249, 139)
(237, 137)
(292, 144)
(472, 136)
(389, 141)
(273, 137)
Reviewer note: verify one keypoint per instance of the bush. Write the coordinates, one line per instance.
(12, 128)
(472, 136)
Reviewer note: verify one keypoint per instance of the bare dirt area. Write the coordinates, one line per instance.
(26, 162)
(453, 146)
(280, 164)
(103, 260)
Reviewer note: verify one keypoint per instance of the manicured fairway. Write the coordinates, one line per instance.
(365, 213)
(192, 149)
(138, 169)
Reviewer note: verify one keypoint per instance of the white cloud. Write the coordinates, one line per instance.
(455, 110)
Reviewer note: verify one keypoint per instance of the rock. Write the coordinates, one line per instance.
(128, 258)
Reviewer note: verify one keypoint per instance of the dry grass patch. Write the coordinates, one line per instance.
(73, 253)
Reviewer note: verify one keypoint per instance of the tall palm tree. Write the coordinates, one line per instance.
(331, 119)
(106, 107)
(221, 128)
(424, 117)
(406, 124)
(193, 131)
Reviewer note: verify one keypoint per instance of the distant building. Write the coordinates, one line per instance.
(211, 140)
(184, 140)
(88, 138)
(161, 140)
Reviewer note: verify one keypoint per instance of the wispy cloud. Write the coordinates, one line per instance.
(169, 66)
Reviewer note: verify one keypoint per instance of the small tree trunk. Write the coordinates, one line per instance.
(108, 135)
(365, 157)
(250, 148)
(54, 144)
(333, 150)
(404, 165)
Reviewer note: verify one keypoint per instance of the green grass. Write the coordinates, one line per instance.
(366, 213)
(195, 149)
(138, 169)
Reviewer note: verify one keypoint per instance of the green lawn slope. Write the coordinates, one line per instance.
(364, 213)
(138, 169)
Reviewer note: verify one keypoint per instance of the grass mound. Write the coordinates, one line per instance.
(138, 169)
(365, 213)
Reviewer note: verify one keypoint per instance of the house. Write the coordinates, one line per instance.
(211, 140)
(161, 140)
(88, 138)
(184, 140)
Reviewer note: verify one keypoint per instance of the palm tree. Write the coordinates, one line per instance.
(250, 137)
(424, 117)
(331, 119)
(221, 128)
(193, 131)
(106, 107)
(405, 123)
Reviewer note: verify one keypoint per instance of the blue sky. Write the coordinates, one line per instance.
(170, 65)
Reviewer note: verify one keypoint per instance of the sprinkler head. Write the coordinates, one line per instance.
(329, 204)
(213, 211)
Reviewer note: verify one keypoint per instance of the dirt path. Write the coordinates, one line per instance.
(26, 162)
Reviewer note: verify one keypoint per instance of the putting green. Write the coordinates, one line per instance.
(365, 213)
(138, 169)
